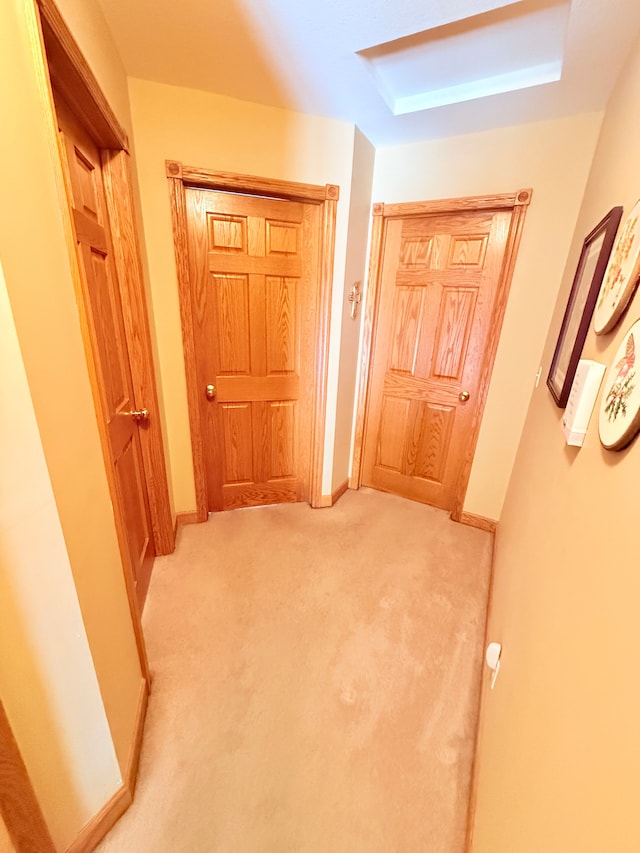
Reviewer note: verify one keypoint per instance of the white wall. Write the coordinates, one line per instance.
(89, 27)
(553, 158)
(48, 682)
(358, 230)
(559, 756)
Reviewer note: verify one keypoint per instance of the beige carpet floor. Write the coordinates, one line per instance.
(316, 678)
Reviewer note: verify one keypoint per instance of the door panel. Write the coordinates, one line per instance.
(457, 309)
(131, 481)
(407, 323)
(111, 356)
(238, 442)
(232, 293)
(439, 280)
(253, 268)
(281, 325)
(281, 451)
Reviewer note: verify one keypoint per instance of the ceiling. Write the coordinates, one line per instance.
(402, 70)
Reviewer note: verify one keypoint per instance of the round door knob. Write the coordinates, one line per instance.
(464, 396)
(140, 415)
(211, 392)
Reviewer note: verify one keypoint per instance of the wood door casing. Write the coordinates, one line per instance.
(253, 265)
(19, 807)
(76, 84)
(83, 174)
(439, 281)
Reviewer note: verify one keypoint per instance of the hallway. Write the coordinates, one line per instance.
(316, 678)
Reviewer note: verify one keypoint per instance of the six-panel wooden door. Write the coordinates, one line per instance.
(439, 280)
(81, 159)
(253, 267)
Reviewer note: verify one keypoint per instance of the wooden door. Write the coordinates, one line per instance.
(81, 160)
(253, 271)
(439, 281)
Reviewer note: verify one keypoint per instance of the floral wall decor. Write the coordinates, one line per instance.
(621, 276)
(620, 404)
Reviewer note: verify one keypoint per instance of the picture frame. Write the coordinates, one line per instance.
(619, 419)
(587, 280)
(621, 276)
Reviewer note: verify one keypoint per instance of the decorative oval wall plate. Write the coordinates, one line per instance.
(621, 276)
(620, 403)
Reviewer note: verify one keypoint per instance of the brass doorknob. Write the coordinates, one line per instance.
(464, 396)
(139, 415)
(211, 392)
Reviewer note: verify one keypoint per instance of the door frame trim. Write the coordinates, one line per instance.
(19, 806)
(57, 48)
(180, 177)
(76, 80)
(382, 213)
(78, 85)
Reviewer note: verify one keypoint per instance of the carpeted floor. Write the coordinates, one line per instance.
(316, 676)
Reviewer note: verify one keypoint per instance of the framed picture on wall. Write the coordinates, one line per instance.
(621, 276)
(620, 403)
(582, 300)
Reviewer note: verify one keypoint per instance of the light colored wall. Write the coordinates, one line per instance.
(39, 284)
(47, 680)
(211, 131)
(358, 230)
(89, 27)
(553, 158)
(560, 741)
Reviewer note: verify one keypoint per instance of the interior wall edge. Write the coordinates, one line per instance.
(43, 303)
